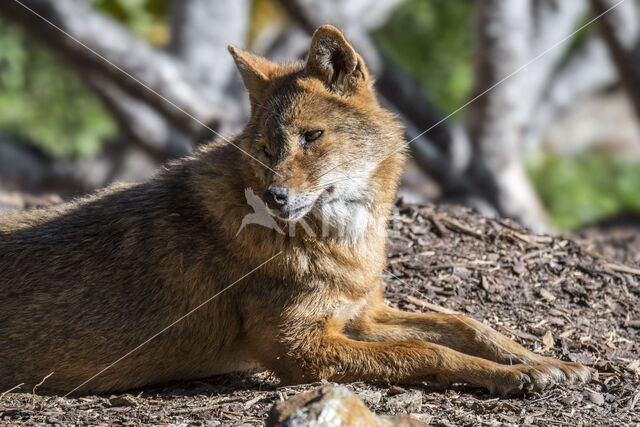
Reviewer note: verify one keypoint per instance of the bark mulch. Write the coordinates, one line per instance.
(575, 301)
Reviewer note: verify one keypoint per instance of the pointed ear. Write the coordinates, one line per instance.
(334, 61)
(255, 71)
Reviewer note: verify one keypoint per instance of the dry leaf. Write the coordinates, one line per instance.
(519, 268)
(547, 340)
(596, 398)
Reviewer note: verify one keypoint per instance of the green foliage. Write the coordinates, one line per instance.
(432, 41)
(146, 18)
(44, 102)
(583, 189)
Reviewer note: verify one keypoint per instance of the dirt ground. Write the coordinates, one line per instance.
(576, 301)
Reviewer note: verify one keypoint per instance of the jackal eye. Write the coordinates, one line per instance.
(266, 152)
(311, 136)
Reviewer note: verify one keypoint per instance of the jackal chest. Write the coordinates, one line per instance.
(345, 309)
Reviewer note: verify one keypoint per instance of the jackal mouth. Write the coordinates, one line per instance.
(294, 213)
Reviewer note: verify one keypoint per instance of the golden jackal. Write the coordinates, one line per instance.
(85, 283)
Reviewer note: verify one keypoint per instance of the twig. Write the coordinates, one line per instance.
(429, 306)
(632, 402)
(436, 222)
(227, 399)
(40, 383)
(622, 268)
(532, 240)
(549, 420)
(194, 410)
(15, 387)
(249, 403)
(473, 265)
(455, 224)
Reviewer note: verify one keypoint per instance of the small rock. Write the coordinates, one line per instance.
(330, 406)
(123, 400)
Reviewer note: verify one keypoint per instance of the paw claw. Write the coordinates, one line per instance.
(540, 376)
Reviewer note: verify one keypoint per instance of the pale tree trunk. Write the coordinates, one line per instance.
(551, 22)
(589, 70)
(201, 30)
(140, 123)
(496, 120)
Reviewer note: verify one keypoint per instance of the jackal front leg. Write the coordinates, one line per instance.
(465, 335)
(331, 355)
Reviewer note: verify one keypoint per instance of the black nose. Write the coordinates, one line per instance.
(276, 197)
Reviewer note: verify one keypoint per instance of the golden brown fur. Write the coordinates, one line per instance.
(85, 283)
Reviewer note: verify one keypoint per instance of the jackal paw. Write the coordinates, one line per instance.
(563, 372)
(540, 376)
(510, 380)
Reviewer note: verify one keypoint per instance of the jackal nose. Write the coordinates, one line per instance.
(276, 197)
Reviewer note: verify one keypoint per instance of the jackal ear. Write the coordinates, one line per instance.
(255, 71)
(334, 61)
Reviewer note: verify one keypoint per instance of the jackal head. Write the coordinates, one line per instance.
(320, 130)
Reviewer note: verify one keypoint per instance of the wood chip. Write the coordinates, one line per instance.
(249, 403)
(123, 400)
(456, 225)
(634, 367)
(547, 340)
(566, 333)
(596, 398)
(546, 295)
(623, 268)
(519, 268)
(395, 390)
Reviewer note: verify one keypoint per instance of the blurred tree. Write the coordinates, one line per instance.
(445, 68)
(43, 102)
(146, 18)
(575, 195)
(166, 79)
